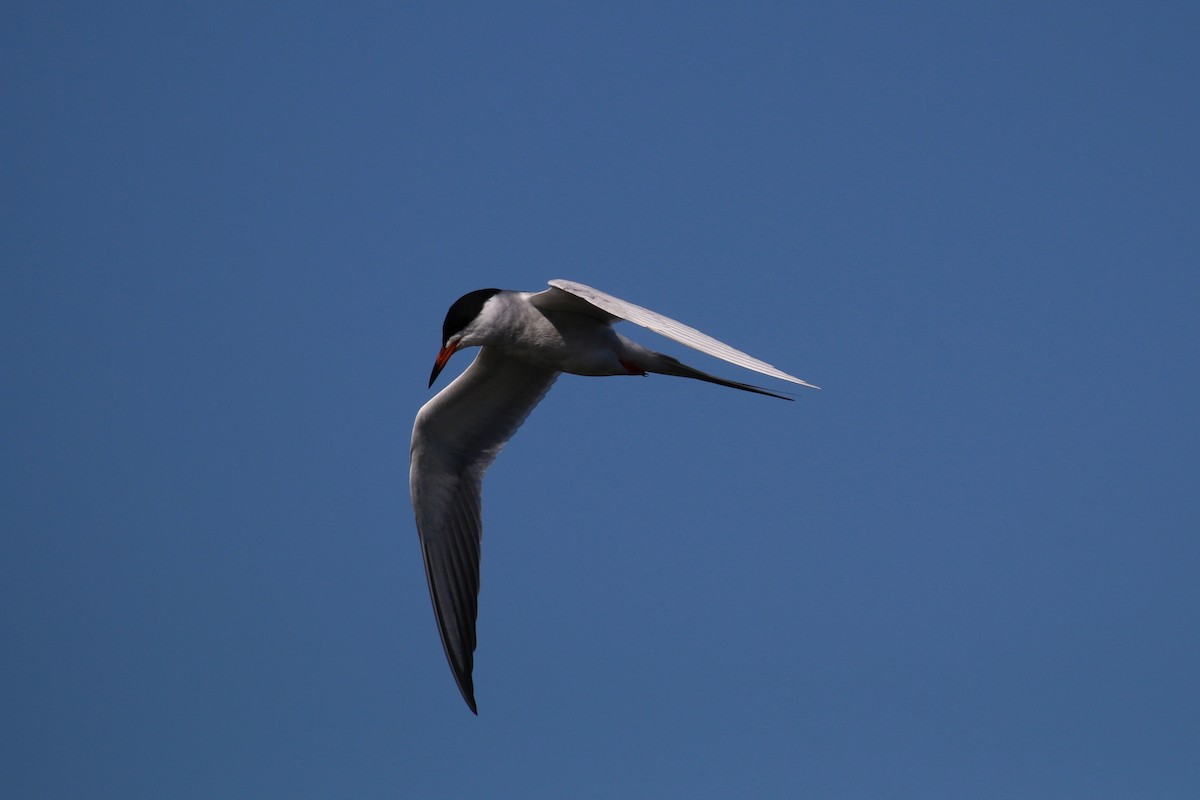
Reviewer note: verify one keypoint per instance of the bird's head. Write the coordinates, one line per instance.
(458, 330)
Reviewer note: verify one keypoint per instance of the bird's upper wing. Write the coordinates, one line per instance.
(456, 437)
(571, 296)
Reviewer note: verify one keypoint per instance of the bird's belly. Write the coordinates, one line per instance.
(580, 349)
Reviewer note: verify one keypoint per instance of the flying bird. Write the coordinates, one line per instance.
(526, 339)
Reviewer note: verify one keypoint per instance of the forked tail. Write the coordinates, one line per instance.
(666, 365)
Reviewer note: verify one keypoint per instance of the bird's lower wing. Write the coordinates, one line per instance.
(456, 437)
(566, 296)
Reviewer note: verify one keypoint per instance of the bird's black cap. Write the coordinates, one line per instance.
(465, 309)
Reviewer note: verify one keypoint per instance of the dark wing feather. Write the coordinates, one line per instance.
(456, 437)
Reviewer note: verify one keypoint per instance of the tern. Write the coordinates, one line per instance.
(526, 339)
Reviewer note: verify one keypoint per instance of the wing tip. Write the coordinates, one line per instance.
(467, 687)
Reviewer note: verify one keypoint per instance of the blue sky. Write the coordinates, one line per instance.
(966, 567)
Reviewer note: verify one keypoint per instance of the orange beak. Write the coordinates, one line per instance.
(442, 357)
